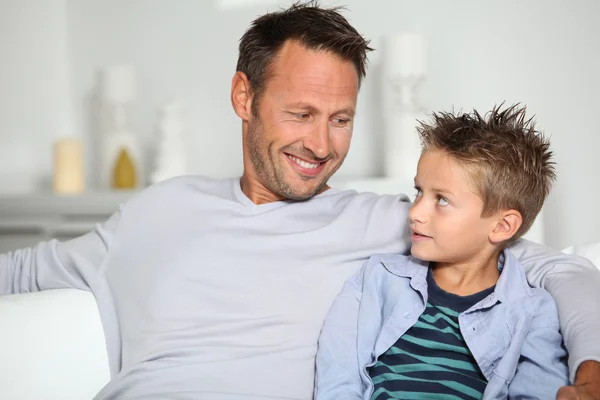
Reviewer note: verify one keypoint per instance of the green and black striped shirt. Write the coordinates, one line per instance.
(431, 360)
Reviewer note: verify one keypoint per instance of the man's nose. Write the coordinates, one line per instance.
(318, 140)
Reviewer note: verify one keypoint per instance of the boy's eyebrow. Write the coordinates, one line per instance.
(440, 190)
(437, 190)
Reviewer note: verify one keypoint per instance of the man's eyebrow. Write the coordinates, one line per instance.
(349, 110)
(304, 106)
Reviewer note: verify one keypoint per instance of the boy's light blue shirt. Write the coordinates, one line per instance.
(513, 334)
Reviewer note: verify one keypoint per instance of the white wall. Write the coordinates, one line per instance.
(537, 52)
(542, 53)
(34, 90)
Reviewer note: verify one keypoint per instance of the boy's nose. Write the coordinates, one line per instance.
(417, 213)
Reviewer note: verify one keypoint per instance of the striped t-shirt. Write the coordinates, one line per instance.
(431, 360)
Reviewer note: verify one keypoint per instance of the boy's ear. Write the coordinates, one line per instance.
(241, 96)
(507, 225)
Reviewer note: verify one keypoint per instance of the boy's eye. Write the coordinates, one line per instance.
(442, 201)
(419, 193)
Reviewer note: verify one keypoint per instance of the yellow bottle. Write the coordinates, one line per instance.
(124, 173)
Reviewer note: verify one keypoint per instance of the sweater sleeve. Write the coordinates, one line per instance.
(56, 265)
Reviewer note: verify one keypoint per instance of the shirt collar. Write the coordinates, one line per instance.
(511, 285)
(406, 266)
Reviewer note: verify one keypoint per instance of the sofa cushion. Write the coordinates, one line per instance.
(52, 346)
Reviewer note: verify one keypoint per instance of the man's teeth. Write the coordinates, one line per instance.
(303, 163)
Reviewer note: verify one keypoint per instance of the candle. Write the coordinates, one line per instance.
(68, 167)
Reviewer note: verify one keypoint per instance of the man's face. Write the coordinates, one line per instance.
(302, 132)
(445, 218)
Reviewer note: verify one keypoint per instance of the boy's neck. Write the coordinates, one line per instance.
(469, 277)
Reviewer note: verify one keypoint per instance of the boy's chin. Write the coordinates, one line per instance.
(423, 254)
(419, 253)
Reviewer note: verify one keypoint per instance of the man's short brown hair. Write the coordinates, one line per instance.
(306, 22)
(509, 161)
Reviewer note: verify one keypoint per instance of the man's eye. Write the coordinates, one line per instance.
(442, 201)
(341, 121)
(303, 116)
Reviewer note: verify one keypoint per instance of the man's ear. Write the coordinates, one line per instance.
(241, 96)
(507, 225)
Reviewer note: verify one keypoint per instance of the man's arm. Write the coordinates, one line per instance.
(338, 375)
(54, 265)
(574, 283)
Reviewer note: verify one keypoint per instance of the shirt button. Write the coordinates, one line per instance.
(407, 315)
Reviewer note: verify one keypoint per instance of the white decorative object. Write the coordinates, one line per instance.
(118, 92)
(118, 84)
(404, 70)
(405, 55)
(170, 152)
(402, 148)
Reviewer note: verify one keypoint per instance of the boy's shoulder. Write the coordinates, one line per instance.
(545, 311)
(532, 303)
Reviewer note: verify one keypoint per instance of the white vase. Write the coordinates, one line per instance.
(170, 158)
(402, 146)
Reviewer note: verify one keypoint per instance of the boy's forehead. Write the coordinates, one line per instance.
(439, 170)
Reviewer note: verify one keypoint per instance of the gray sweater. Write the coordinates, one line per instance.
(205, 295)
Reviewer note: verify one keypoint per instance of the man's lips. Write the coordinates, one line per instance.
(306, 167)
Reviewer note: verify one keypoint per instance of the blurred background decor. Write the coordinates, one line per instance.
(68, 167)
(476, 54)
(404, 61)
(120, 152)
(170, 159)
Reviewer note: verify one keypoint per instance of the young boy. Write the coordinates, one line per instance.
(457, 319)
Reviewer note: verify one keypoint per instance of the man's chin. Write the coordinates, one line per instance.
(302, 193)
(300, 196)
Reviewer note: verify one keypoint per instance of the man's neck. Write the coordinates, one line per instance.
(468, 277)
(260, 194)
(257, 192)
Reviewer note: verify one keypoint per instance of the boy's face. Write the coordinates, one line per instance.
(445, 218)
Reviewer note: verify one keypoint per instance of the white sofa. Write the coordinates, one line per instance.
(52, 345)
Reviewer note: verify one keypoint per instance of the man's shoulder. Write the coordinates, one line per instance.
(366, 202)
(185, 185)
(181, 192)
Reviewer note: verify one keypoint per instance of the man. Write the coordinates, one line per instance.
(218, 289)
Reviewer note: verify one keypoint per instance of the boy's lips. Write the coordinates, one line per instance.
(418, 236)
